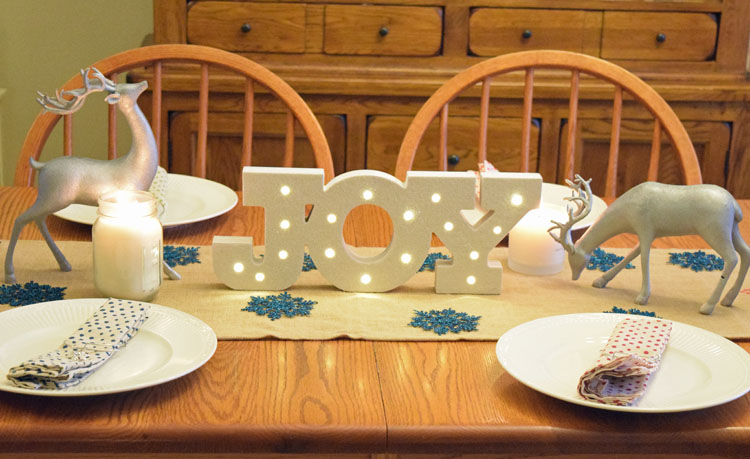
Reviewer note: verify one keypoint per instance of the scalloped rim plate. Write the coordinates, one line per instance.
(170, 344)
(699, 369)
(189, 200)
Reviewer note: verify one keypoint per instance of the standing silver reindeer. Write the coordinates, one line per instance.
(652, 210)
(70, 179)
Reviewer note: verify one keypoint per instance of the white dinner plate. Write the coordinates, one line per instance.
(699, 368)
(169, 344)
(553, 197)
(189, 199)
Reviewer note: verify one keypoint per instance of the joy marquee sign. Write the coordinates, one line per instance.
(428, 202)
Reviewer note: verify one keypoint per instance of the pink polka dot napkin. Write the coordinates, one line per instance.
(631, 355)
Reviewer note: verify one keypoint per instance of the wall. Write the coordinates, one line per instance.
(45, 42)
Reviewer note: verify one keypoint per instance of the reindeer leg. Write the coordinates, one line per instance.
(644, 243)
(741, 247)
(21, 221)
(41, 222)
(602, 281)
(722, 243)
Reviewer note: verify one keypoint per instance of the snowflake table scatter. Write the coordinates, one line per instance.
(632, 311)
(429, 262)
(604, 261)
(697, 261)
(442, 322)
(274, 306)
(308, 264)
(29, 293)
(176, 255)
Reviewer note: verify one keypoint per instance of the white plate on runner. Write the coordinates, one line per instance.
(169, 344)
(189, 200)
(553, 197)
(699, 369)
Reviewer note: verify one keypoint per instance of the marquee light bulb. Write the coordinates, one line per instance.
(238, 267)
(285, 190)
(283, 254)
(516, 199)
(365, 279)
(259, 277)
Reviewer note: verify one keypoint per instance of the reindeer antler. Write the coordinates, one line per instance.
(63, 106)
(583, 202)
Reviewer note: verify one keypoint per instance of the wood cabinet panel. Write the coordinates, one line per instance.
(384, 135)
(224, 146)
(257, 27)
(711, 140)
(659, 36)
(495, 31)
(383, 30)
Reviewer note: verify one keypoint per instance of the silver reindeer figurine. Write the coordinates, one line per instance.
(70, 179)
(652, 210)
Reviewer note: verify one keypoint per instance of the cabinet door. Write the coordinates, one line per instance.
(710, 138)
(384, 135)
(224, 145)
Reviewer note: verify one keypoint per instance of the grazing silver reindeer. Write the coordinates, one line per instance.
(70, 179)
(652, 210)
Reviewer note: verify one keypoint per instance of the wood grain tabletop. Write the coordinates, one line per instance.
(346, 398)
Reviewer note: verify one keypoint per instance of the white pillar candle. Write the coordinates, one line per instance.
(127, 239)
(531, 250)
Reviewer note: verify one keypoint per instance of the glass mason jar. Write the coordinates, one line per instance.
(127, 240)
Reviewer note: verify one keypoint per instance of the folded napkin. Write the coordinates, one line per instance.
(88, 348)
(159, 190)
(632, 353)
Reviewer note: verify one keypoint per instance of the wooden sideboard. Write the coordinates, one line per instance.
(365, 69)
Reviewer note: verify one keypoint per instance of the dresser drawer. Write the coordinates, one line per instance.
(252, 27)
(385, 132)
(495, 31)
(383, 30)
(659, 36)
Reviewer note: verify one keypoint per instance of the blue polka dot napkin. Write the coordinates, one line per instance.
(88, 348)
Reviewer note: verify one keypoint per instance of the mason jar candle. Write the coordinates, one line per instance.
(127, 240)
(531, 250)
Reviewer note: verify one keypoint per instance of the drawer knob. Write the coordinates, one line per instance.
(526, 34)
(246, 28)
(453, 160)
(661, 37)
(383, 31)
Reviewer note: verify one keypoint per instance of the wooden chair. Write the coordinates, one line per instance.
(528, 61)
(208, 58)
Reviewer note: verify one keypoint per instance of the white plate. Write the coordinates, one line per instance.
(169, 344)
(553, 198)
(189, 199)
(699, 369)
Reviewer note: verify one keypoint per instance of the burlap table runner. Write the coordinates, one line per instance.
(677, 294)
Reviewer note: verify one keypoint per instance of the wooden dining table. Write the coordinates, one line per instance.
(347, 398)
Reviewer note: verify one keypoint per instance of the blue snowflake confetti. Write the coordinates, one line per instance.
(604, 261)
(697, 261)
(442, 322)
(632, 311)
(29, 293)
(429, 262)
(182, 256)
(308, 264)
(274, 306)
